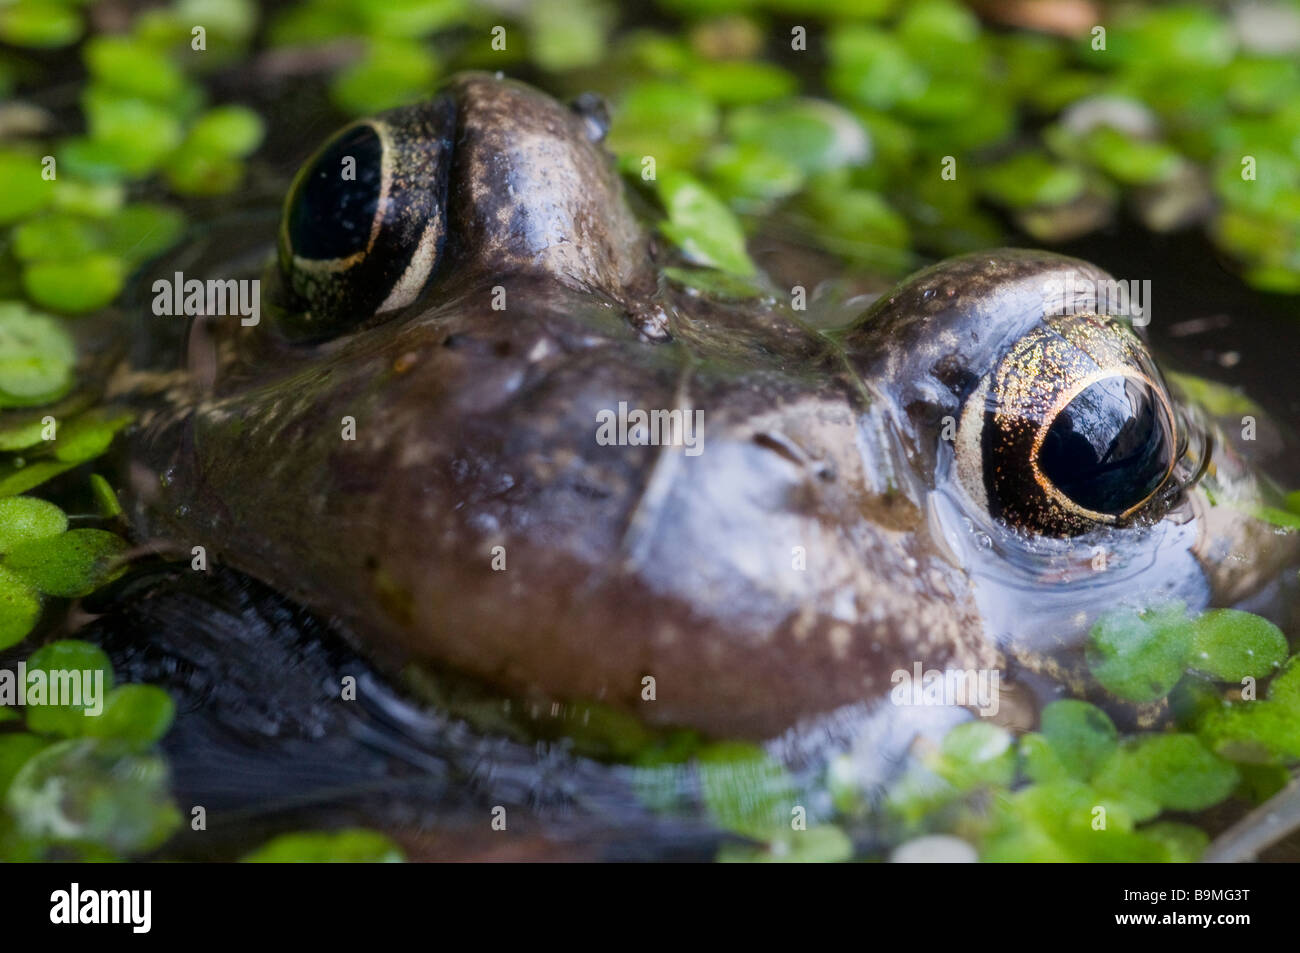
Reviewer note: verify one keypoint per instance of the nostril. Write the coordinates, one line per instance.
(594, 112)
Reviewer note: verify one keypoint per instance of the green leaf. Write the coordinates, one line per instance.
(20, 608)
(23, 191)
(72, 564)
(53, 237)
(193, 172)
(392, 73)
(68, 664)
(1230, 645)
(136, 715)
(1184, 842)
(567, 34)
(39, 23)
(22, 432)
(741, 82)
(142, 231)
(17, 477)
(88, 436)
(24, 517)
(669, 121)
(1041, 761)
(1031, 179)
(353, 846)
(1285, 686)
(227, 130)
(133, 67)
(15, 751)
(871, 67)
(811, 134)
(105, 498)
(1082, 735)
(87, 790)
(1131, 161)
(1139, 657)
(702, 226)
(77, 285)
(1176, 771)
(1218, 399)
(132, 134)
(750, 172)
(36, 357)
(1258, 732)
(745, 790)
(976, 754)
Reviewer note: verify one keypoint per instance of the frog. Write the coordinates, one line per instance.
(479, 431)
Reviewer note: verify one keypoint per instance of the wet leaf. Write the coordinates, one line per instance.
(1030, 179)
(70, 666)
(745, 790)
(567, 34)
(15, 478)
(392, 73)
(77, 285)
(1258, 732)
(1230, 645)
(813, 135)
(39, 23)
(133, 67)
(226, 130)
(56, 237)
(106, 501)
(1218, 399)
(88, 436)
(135, 715)
(24, 517)
(1139, 657)
(1175, 771)
(15, 751)
(142, 231)
(1082, 736)
(702, 226)
(668, 121)
(22, 189)
(742, 82)
(1129, 160)
(1184, 842)
(36, 357)
(88, 790)
(20, 608)
(975, 754)
(72, 564)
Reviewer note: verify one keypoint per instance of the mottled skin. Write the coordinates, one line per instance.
(787, 570)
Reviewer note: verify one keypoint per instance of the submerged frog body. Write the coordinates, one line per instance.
(414, 447)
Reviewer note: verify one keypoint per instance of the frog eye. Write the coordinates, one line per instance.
(364, 222)
(1073, 428)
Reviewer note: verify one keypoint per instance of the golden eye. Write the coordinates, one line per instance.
(365, 220)
(1073, 428)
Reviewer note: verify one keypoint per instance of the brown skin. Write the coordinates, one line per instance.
(476, 428)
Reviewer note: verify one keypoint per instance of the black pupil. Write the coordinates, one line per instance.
(333, 207)
(1111, 446)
